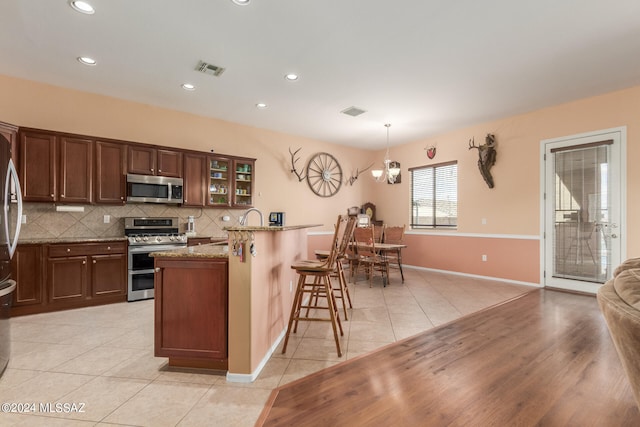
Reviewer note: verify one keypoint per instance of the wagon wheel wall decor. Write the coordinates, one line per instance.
(324, 175)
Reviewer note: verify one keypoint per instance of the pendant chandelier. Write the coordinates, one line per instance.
(390, 170)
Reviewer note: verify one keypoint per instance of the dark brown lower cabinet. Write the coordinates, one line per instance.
(27, 271)
(191, 311)
(67, 280)
(107, 277)
(60, 276)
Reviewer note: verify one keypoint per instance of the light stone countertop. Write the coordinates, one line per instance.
(47, 240)
(270, 227)
(211, 250)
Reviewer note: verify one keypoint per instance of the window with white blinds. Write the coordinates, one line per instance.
(434, 196)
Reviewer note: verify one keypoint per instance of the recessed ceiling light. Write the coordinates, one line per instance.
(188, 86)
(86, 60)
(291, 77)
(261, 105)
(82, 7)
(241, 2)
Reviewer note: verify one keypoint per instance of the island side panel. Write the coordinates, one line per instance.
(239, 340)
(260, 295)
(273, 290)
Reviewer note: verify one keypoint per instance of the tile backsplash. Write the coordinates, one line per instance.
(44, 222)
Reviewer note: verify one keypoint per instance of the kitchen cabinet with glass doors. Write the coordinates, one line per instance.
(230, 182)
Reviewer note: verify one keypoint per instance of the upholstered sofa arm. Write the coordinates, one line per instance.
(623, 321)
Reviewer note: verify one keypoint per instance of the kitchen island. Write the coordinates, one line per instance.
(259, 294)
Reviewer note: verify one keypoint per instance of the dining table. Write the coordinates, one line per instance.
(382, 248)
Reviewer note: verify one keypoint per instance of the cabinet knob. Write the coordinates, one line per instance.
(84, 262)
(108, 248)
(151, 169)
(94, 261)
(68, 250)
(121, 197)
(52, 195)
(157, 269)
(159, 170)
(62, 195)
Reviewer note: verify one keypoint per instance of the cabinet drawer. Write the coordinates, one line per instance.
(74, 249)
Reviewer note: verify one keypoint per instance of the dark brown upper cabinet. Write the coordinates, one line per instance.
(194, 179)
(76, 170)
(55, 168)
(146, 160)
(10, 132)
(110, 173)
(38, 166)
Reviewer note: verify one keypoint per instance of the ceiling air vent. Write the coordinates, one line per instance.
(210, 69)
(353, 111)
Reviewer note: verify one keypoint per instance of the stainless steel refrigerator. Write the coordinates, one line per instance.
(10, 221)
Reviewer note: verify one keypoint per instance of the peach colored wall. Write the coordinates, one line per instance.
(31, 104)
(464, 255)
(511, 208)
(318, 240)
(512, 259)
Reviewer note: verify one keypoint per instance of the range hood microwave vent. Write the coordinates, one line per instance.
(212, 70)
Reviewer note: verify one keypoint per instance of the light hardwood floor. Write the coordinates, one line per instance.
(544, 358)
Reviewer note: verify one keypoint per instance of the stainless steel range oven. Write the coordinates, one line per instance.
(148, 235)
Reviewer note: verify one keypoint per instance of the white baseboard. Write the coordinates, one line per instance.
(249, 378)
(477, 276)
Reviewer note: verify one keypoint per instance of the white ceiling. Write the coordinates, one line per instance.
(425, 66)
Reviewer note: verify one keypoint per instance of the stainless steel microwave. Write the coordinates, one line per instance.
(154, 189)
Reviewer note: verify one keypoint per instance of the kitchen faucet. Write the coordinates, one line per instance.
(243, 218)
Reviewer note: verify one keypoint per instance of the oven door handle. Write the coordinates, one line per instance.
(155, 248)
(146, 271)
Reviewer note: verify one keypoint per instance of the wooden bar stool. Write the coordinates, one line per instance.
(315, 282)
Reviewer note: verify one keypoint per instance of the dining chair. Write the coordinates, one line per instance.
(394, 235)
(314, 281)
(368, 256)
(378, 232)
(345, 255)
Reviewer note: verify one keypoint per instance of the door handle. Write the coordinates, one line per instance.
(12, 173)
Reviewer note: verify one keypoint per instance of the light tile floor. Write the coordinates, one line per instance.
(102, 357)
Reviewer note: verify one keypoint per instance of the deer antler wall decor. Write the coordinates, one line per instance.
(293, 164)
(486, 157)
(354, 177)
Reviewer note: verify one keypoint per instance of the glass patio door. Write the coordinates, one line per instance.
(582, 211)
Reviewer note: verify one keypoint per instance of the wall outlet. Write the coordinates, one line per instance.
(484, 257)
(290, 286)
(484, 221)
(23, 220)
(107, 219)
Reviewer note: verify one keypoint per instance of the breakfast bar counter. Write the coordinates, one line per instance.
(227, 307)
(211, 250)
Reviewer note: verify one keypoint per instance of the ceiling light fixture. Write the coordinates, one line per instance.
(82, 7)
(261, 105)
(390, 170)
(87, 60)
(188, 86)
(291, 77)
(241, 2)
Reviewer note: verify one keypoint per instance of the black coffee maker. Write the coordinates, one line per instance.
(276, 219)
